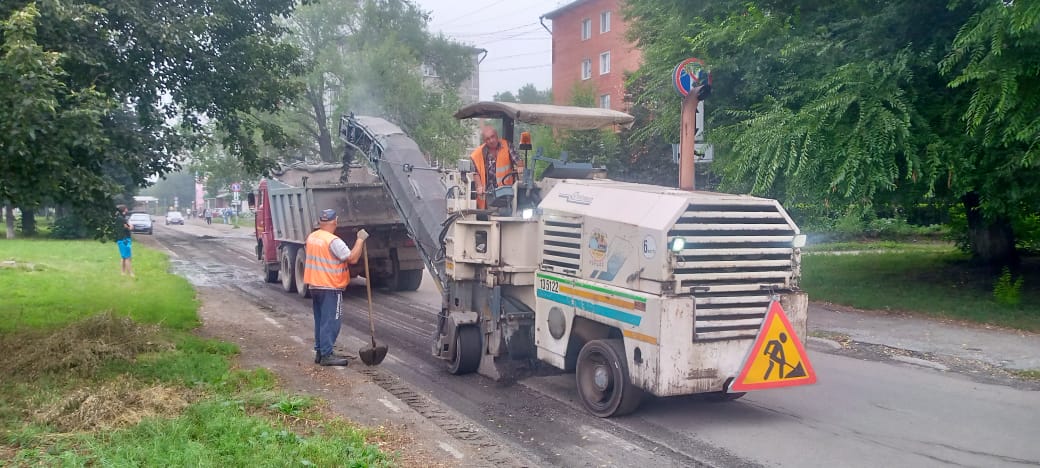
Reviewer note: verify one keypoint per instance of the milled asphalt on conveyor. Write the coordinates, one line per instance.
(545, 423)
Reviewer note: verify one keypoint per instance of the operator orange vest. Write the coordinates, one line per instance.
(323, 270)
(503, 168)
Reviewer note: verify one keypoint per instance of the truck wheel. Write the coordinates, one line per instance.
(301, 287)
(270, 274)
(603, 383)
(467, 351)
(408, 280)
(287, 273)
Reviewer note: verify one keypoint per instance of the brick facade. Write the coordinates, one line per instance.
(569, 51)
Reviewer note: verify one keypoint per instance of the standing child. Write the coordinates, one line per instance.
(123, 240)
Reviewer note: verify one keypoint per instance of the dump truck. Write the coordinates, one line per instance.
(287, 207)
(637, 289)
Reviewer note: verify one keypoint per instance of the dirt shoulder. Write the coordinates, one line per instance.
(270, 338)
(349, 392)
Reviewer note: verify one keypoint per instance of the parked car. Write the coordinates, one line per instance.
(174, 217)
(141, 222)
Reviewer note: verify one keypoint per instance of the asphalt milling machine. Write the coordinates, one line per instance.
(636, 288)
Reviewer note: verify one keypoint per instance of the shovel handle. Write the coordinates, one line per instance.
(368, 289)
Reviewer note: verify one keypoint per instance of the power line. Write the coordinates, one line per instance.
(540, 52)
(478, 10)
(528, 25)
(530, 67)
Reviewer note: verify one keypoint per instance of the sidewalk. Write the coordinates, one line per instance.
(1009, 349)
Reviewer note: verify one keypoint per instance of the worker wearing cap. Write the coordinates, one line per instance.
(495, 165)
(327, 272)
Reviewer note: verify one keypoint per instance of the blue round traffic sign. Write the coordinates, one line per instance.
(689, 74)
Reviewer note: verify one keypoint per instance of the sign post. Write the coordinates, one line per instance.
(693, 82)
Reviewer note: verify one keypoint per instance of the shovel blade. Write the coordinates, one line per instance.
(372, 355)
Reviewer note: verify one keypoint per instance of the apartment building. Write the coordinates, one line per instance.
(589, 47)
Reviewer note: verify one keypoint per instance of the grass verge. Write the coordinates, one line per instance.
(132, 387)
(48, 283)
(934, 281)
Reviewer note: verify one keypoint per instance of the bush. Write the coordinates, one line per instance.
(1008, 291)
(69, 226)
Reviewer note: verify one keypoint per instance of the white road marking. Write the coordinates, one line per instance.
(273, 322)
(392, 406)
(243, 257)
(297, 339)
(452, 450)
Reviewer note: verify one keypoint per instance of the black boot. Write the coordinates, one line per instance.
(317, 356)
(332, 360)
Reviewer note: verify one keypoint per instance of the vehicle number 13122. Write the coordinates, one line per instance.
(549, 285)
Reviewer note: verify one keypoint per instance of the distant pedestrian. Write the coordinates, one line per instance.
(208, 213)
(123, 241)
(327, 273)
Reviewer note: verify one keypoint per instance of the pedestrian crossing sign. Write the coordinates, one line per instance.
(777, 358)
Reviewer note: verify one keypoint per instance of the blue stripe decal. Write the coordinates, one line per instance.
(597, 309)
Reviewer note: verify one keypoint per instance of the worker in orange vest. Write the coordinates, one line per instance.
(327, 272)
(495, 164)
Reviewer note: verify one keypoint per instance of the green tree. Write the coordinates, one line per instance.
(47, 126)
(130, 75)
(994, 58)
(375, 57)
(833, 104)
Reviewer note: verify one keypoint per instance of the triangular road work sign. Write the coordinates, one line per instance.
(777, 358)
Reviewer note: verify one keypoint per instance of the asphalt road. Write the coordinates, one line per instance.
(860, 413)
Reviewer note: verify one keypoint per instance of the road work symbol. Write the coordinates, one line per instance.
(777, 358)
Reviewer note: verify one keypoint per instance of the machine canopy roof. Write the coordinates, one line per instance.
(564, 117)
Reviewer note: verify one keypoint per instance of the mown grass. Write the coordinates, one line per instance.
(55, 282)
(934, 281)
(925, 246)
(186, 403)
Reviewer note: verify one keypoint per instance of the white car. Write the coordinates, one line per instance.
(174, 217)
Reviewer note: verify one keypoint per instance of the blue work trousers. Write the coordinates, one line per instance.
(327, 304)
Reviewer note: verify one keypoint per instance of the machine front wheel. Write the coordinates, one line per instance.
(466, 358)
(603, 383)
(286, 270)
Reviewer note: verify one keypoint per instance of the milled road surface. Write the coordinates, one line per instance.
(861, 413)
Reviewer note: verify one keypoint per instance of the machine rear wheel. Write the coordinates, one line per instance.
(603, 383)
(301, 287)
(287, 273)
(467, 351)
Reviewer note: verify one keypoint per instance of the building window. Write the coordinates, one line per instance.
(586, 69)
(604, 22)
(604, 101)
(586, 29)
(604, 63)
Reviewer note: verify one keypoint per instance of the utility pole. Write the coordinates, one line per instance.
(694, 85)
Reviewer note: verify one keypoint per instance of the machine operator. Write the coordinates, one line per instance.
(496, 165)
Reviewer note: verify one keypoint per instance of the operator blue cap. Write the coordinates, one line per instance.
(327, 215)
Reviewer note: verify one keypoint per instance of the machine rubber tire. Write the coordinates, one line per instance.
(603, 383)
(298, 268)
(286, 270)
(409, 280)
(467, 351)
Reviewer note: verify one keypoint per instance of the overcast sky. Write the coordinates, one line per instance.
(519, 49)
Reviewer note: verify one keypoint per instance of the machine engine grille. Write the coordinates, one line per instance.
(736, 253)
(561, 246)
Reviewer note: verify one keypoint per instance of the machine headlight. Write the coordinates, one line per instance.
(678, 244)
(799, 241)
(527, 213)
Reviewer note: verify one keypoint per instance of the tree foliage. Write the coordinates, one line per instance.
(368, 57)
(841, 105)
(125, 77)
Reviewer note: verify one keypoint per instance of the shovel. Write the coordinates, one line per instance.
(371, 355)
